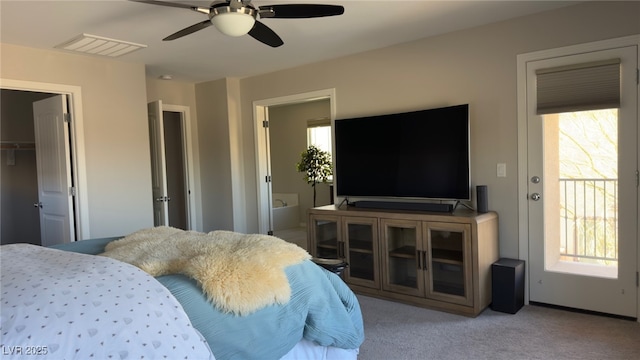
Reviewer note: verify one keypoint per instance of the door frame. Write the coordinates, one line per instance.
(523, 199)
(78, 162)
(187, 157)
(263, 161)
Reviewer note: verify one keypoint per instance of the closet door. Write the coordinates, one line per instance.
(158, 167)
(55, 188)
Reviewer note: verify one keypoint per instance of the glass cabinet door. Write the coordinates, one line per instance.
(361, 241)
(403, 257)
(325, 240)
(449, 262)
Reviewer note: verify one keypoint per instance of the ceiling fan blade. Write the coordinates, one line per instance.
(265, 35)
(300, 11)
(188, 30)
(167, 3)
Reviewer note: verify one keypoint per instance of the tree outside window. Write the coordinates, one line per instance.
(319, 135)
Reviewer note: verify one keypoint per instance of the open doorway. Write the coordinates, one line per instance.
(20, 220)
(177, 190)
(171, 164)
(282, 135)
(19, 176)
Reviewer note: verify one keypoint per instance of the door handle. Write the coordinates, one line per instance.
(535, 196)
(425, 264)
(38, 205)
(421, 259)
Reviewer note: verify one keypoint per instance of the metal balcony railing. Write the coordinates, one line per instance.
(589, 220)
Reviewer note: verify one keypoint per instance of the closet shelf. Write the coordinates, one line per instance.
(17, 145)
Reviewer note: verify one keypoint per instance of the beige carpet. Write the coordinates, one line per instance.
(398, 331)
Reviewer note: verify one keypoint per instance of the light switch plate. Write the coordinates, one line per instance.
(502, 170)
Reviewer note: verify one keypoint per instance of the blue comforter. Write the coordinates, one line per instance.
(322, 309)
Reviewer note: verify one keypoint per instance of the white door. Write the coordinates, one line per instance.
(55, 186)
(265, 190)
(583, 194)
(158, 169)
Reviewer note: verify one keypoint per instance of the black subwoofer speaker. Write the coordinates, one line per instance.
(507, 285)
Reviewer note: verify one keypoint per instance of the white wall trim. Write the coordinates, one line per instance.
(77, 143)
(263, 167)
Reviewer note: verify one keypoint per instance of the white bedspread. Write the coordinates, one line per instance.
(64, 305)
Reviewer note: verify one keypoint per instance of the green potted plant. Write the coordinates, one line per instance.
(316, 166)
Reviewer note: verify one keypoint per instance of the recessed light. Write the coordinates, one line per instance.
(166, 77)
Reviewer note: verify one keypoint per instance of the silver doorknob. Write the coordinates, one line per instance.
(38, 205)
(535, 196)
(160, 199)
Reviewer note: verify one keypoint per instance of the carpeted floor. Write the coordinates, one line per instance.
(403, 332)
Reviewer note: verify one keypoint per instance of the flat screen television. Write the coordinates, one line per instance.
(419, 154)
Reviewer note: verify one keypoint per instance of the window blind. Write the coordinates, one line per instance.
(578, 87)
(319, 122)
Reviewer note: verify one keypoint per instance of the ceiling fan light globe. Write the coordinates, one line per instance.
(233, 23)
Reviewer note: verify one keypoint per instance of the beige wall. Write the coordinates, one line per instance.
(215, 155)
(236, 155)
(476, 66)
(174, 93)
(116, 139)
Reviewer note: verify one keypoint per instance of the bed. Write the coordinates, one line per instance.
(75, 301)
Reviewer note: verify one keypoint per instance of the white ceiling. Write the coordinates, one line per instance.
(209, 55)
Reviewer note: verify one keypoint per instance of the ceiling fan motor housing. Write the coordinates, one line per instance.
(231, 20)
(240, 17)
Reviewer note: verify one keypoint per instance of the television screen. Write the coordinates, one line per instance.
(419, 154)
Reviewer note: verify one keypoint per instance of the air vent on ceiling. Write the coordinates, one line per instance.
(98, 45)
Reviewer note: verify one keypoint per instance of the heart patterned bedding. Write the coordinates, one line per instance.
(64, 305)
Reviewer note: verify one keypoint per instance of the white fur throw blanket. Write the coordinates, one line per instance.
(239, 273)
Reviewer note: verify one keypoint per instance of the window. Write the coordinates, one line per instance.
(581, 168)
(579, 104)
(319, 135)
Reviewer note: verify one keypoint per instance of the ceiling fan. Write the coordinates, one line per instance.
(240, 17)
